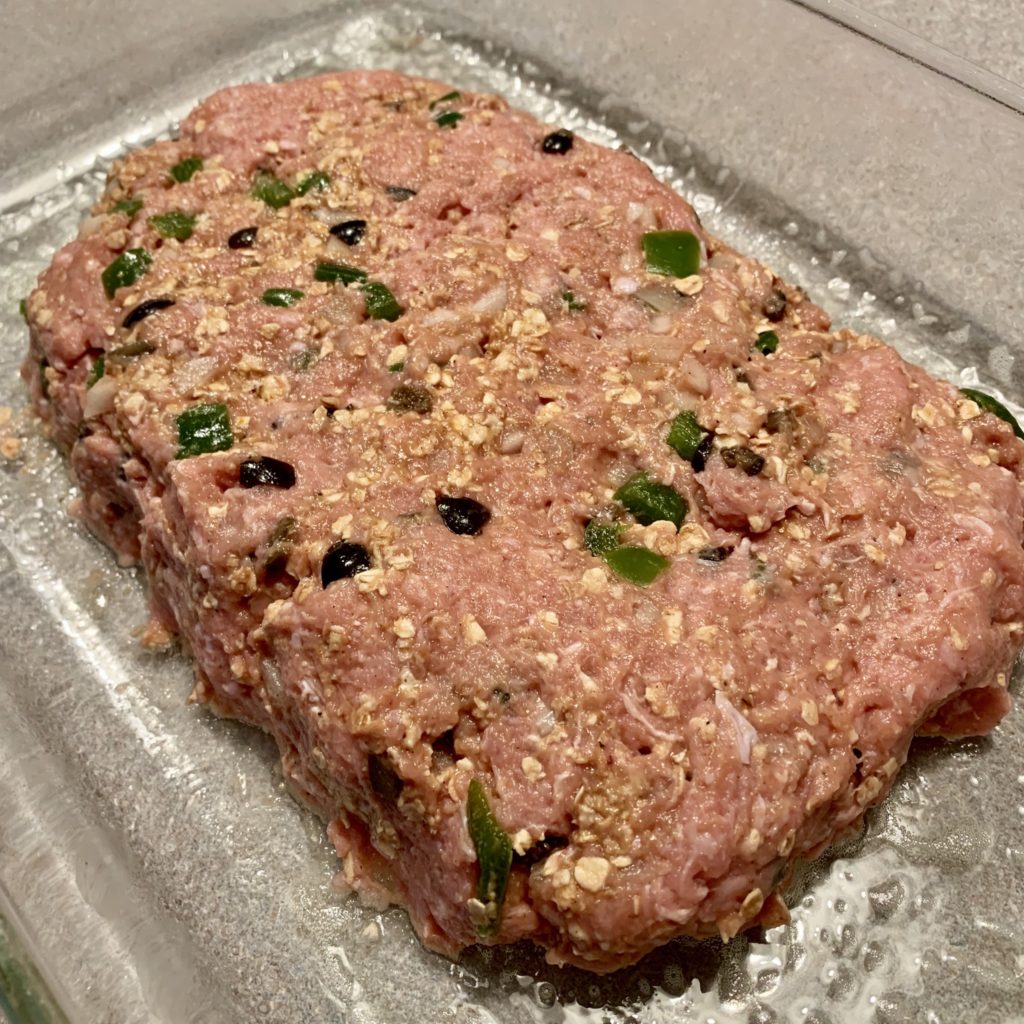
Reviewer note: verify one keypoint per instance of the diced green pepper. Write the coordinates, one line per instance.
(183, 170)
(494, 856)
(651, 502)
(396, 367)
(448, 118)
(380, 303)
(125, 270)
(281, 296)
(600, 538)
(672, 253)
(271, 190)
(318, 180)
(174, 224)
(23, 310)
(574, 305)
(334, 273)
(767, 342)
(203, 429)
(638, 565)
(448, 97)
(992, 405)
(129, 207)
(685, 435)
(96, 371)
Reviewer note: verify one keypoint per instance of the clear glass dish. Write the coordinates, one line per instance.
(152, 867)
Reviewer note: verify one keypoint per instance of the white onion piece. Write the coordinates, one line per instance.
(694, 375)
(642, 214)
(660, 298)
(544, 720)
(330, 217)
(99, 399)
(433, 317)
(625, 285)
(511, 442)
(91, 225)
(195, 372)
(492, 301)
(746, 734)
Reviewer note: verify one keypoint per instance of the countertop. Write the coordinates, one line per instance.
(989, 33)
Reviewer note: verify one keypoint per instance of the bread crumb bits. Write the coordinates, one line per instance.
(403, 628)
(691, 285)
(958, 639)
(751, 843)
(522, 841)
(594, 581)
(472, 632)
(591, 873)
(809, 712)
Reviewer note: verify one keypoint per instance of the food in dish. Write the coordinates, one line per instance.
(583, 577)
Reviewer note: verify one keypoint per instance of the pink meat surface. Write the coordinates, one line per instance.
(849, 571)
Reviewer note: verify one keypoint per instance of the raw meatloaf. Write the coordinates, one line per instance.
(584, 579)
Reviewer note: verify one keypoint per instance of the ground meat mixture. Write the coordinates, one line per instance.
(583, 578)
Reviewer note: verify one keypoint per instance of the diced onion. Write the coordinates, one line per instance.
(99, 399)
(642, 214)
(434, 317)
(195, 372)
(660, 298)
(91, 225)
(330, 217)
(492, 301)
(511, 442)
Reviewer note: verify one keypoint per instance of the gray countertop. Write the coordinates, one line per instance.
(989, 34)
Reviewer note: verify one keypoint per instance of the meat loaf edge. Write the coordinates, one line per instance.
(469, 466)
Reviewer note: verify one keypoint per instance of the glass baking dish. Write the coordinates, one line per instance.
(152, 868)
